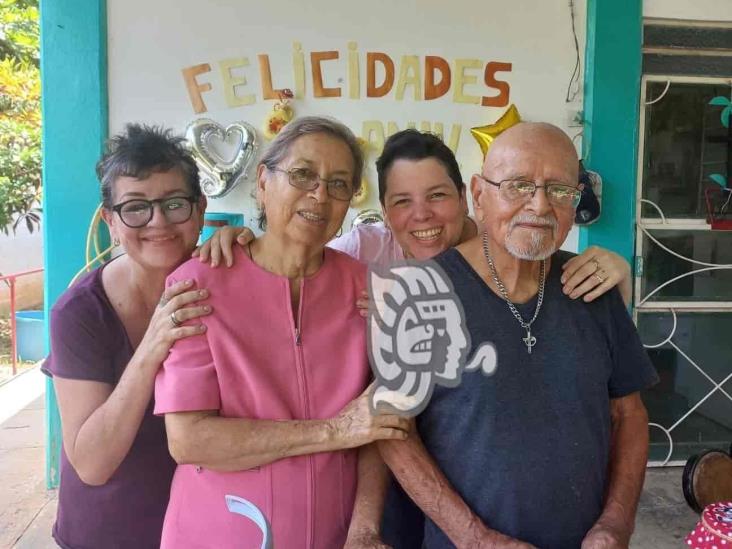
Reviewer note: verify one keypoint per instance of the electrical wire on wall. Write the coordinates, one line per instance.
(574, 86)
(575, 78)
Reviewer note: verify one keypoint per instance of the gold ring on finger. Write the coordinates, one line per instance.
(174, 320)
(597, 264)
(600, 278)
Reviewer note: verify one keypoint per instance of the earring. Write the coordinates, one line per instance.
(115, 241)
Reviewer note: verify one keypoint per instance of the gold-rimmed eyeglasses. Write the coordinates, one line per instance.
(559, 194)
(308, 180)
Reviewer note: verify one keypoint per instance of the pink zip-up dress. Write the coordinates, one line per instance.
(259, 361)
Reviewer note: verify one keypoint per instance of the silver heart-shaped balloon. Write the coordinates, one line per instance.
(219, 174)
(216, 185)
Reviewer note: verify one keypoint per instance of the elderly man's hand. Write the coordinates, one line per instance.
(221, 244)
(603, 536)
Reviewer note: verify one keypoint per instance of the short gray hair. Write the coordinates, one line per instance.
(307, 125)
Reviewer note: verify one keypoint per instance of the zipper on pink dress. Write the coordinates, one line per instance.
(310, 473)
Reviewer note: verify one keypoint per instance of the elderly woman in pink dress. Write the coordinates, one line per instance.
(270, 405)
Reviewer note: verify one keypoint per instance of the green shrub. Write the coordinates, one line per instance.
(20, 118)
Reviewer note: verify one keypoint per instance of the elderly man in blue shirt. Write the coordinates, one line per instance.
(550, 451)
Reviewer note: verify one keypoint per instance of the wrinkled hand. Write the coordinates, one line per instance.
(605, 537)
(362, 303)
(365, 540)
(161, 333)
(221, 244)
(594, 272)
(356, 425)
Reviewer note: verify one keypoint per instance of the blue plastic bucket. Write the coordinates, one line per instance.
(29, 325)
(214, 220)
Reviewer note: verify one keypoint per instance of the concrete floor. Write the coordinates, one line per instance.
(27, 509)
(663, 518)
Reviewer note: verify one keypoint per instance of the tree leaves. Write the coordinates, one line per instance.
(19, 31)
(20, 116)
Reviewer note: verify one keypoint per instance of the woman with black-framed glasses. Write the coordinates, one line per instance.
(138, 212)
(109, 334)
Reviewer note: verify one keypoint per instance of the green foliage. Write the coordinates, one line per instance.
(20, 120)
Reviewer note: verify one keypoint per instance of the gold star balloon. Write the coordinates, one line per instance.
(485, 135)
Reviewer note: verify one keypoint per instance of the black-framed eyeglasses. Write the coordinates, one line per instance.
(515, 190)
(138, 212)
(308, 180)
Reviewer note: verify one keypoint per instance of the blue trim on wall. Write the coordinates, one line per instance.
(74, 103)
(611, 106)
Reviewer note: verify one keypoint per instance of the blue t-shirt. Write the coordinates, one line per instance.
(528, 447)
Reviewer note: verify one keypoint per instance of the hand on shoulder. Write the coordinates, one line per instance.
(220, 247)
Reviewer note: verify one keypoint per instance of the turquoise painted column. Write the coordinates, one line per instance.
(74, 103)
(611, 106)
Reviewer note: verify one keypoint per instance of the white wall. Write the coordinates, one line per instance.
(19, 252)
(702, 10)
(148, 50)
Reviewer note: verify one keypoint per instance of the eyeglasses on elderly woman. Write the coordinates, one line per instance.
(137, 213)
(307, 180)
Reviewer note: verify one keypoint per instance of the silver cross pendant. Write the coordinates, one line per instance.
(529, 340)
